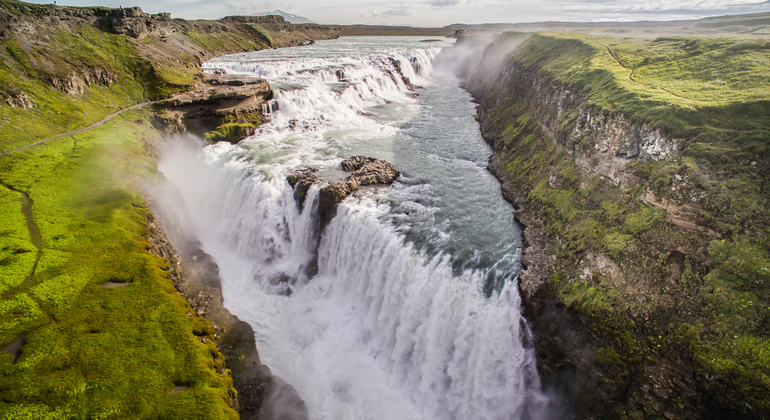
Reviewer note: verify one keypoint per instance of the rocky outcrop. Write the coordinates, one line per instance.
(301, 180)
(19, 100)
(369, 171)
(133, 22)
(599, 143)
(365, 171)
(75, 82)
(400, 74)
(220, 103)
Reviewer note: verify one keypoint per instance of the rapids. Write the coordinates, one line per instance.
(406, 306)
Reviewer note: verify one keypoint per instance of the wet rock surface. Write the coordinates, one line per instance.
(365, 171)
(301, 180)
(330, 197)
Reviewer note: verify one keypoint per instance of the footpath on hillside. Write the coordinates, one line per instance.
(82, 130)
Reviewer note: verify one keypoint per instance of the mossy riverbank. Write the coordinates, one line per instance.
(91, 325)
(642, 167)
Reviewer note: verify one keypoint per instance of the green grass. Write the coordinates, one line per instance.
(55, 111)
(91, 352)
(715, 95)
(224, 43)
(231, 132)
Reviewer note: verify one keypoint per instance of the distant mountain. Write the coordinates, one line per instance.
(288, 16)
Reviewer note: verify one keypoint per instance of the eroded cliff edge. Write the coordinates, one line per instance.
(647, 254)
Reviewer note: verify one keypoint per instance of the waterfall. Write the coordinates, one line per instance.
(364, 319)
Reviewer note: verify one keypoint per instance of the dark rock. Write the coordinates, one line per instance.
(301, 180)
(366, 171)
(329, 197)
(407, 82)
(370, 171)
(355, 162)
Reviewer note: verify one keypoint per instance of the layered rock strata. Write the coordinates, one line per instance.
(224, 107)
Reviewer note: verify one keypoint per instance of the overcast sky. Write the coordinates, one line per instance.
(432, 13)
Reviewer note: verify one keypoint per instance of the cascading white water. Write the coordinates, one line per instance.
(410, 315)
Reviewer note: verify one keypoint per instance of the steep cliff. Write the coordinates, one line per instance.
(640, 170)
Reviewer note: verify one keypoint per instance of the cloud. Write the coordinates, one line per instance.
(230, 6)
(442, 3)
(401, 10)
(599, 6)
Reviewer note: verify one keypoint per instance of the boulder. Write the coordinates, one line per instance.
(370, 171)
(365, 171)
(329, 197)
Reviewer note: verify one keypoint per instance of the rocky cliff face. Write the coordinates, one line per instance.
(171, 50)
(613, 271)
(223, 108)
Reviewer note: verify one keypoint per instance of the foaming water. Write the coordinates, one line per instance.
(406, 306)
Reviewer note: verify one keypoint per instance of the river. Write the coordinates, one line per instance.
(406, 306)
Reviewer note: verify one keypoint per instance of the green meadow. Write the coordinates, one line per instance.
(92, 351)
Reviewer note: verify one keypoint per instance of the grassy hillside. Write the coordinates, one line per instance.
(91, 351)
(90, 323)
(688, 308)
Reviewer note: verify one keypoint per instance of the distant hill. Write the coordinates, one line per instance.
(748, 25)
(288, 16)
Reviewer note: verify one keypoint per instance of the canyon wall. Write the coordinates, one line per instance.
(620, 275)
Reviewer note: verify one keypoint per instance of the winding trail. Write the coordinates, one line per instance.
(631, 77)
(90, 127)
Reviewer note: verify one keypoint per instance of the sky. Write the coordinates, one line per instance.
(437, 13)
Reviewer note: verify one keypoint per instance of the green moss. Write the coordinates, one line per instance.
(94, 352)
(222, 43)
(232, 132)
(616, 243)
(263, 34)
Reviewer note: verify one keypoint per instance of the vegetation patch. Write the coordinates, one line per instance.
(232, 132)
(658, 290)
(80, 337)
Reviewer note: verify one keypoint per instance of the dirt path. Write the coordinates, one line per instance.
(631, 77)
(92, 126)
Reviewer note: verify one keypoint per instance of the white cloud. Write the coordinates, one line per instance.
(442, 3)
(656, 6)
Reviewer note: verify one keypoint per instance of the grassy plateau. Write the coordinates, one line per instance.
(684, 307)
